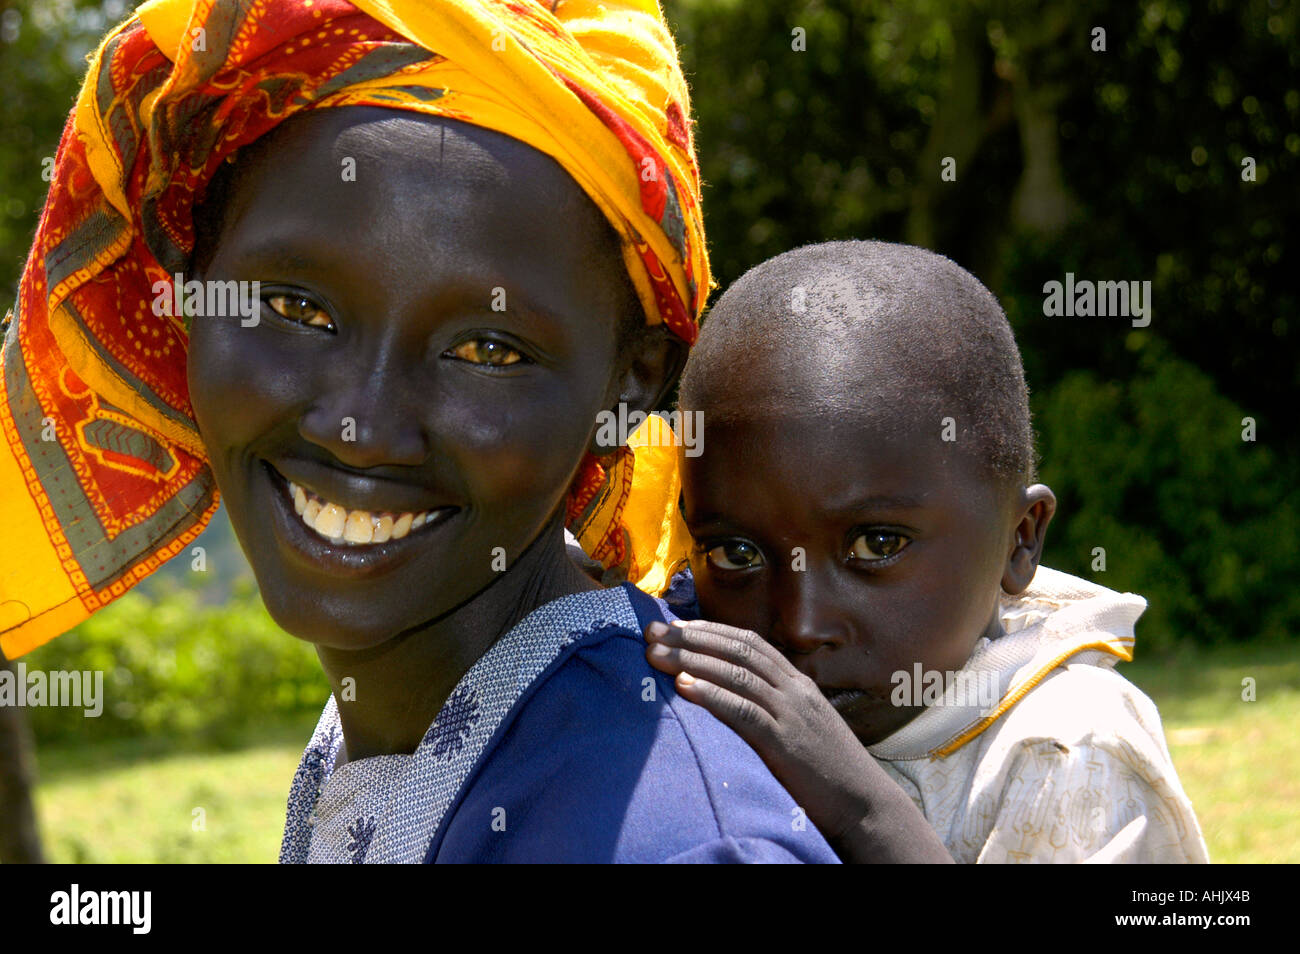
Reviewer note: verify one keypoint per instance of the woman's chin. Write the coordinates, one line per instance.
(334, 621)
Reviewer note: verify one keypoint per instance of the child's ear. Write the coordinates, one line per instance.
(1035, 505)
(648, 375)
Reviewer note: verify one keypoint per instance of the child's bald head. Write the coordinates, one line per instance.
(865, 497)
(868, 328)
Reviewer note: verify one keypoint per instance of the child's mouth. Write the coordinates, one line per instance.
(841, 698)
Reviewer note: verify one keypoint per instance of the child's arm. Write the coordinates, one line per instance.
(781, 713)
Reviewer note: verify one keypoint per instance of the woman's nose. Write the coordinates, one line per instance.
(368, 421)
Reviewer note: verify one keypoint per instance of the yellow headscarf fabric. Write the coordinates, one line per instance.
(103, 476)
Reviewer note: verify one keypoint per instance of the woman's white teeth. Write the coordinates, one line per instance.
(358, 528)
(340, 525)
(330, 521)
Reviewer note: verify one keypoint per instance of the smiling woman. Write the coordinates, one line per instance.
(455, 214)
(392, 395)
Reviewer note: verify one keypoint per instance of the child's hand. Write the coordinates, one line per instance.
(780, 712)
(749, 685)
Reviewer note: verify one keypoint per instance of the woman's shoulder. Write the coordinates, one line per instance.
(602, 760)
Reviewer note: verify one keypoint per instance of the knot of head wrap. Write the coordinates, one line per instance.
(103, 476)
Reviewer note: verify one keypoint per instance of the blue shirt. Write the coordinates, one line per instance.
(595, 759)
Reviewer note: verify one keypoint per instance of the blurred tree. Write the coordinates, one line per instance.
(43, 48)
(20, 841)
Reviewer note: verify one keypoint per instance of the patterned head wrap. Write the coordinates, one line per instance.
(102, 473)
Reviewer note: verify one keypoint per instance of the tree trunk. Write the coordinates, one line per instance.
(957, 131)
(1042, 203)
(20, 841)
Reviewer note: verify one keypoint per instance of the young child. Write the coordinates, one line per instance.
(866, 502)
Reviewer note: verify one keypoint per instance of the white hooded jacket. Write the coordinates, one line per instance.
(1059, 758)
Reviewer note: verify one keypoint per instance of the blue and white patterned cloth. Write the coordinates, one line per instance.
(560, 744)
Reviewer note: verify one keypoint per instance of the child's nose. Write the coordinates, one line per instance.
(807, 617)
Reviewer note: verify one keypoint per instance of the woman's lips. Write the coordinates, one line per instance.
(342, 541)
(338, 524)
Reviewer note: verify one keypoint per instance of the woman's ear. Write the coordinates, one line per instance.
(648, 374)
(1035, 507)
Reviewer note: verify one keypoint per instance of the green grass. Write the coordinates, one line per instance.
(1239, 761)
(134, 801)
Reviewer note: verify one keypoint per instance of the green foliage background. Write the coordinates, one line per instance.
(177, 667)
(1122, 164)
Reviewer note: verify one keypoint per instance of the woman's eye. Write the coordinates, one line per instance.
(486, 351)
(878, 545)
(735, 555)
(300, 309)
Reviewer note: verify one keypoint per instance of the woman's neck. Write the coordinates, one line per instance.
(389, 695)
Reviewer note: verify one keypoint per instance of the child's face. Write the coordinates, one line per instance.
(903, 545)
(437, 333)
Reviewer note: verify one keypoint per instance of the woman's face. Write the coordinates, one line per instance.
(437, 331)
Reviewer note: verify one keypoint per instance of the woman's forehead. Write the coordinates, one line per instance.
(400, 185)
(349, 144)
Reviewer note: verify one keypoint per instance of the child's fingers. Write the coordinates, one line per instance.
(669, 663)
(736, 679)
(755, 643)
(737, 646)
(746, 718)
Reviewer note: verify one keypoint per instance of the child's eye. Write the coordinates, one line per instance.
(878, 545)
(301, 309)
(486, 351)
(735, 555)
